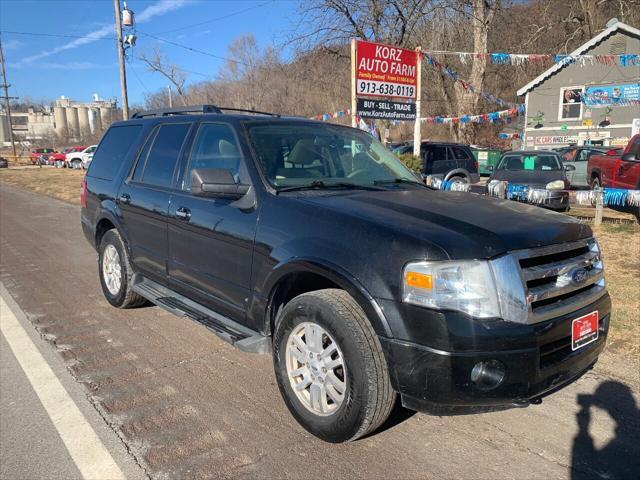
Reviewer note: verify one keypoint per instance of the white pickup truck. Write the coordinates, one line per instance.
(80, 159)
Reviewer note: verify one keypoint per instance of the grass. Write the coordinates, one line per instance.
(60, 183)
(620, 245)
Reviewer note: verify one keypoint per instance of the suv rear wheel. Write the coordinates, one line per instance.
(330, 366)
(115, 272)
(457, 179)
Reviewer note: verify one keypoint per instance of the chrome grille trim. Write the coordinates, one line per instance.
(560, 279)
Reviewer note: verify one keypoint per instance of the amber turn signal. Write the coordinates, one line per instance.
(418, 280)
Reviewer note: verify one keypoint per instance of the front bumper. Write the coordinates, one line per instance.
(537, 359)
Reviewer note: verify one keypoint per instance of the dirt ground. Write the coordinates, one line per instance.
(60, 183)
(620, 245)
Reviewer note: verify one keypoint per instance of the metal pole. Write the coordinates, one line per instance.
(417, 135)
(599, 206)
(354, 122)
(123, 73)
(6, 104)
(170, 97)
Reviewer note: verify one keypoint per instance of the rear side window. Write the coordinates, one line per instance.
(161, 162)
(439, 153)
(112, 151)
(459, 153)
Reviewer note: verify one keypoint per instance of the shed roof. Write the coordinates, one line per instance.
(585, 47)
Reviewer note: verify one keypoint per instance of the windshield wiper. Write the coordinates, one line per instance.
(320, 185)
(398, 180)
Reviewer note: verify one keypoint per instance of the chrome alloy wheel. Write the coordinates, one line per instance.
(111, 270)
(316, 369)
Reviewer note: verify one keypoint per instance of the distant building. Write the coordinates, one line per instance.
(66, 119)
(591, 104)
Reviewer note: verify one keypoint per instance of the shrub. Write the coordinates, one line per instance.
(414, 163)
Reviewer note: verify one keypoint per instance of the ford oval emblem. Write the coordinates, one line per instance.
(579, 276)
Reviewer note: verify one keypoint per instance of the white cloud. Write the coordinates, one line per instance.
(12, 44)
(65, 66)
(159, 8)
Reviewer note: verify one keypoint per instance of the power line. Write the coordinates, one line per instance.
(217, 18)
(195, 50)
(59, 35)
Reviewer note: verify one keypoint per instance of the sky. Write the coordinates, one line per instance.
(83, 59)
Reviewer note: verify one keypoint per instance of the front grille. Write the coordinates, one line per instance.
(561, 278)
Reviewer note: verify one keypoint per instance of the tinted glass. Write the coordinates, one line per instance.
(214, 147)
(530, 162)
(112, 151)
(439, 153)
(142, 158)
(459, 153)
(299, 154)
(162, 159)
(635, 148)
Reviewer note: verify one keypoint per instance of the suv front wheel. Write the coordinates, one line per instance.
(330, 367)
(115, 272)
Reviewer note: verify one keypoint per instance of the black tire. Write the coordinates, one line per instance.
(125, 297)
(368, 397)
(76, 164)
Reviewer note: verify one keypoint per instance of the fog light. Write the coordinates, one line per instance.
(488, 375)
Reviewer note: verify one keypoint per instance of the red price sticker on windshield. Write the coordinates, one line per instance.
(385, 70)
(584, 330)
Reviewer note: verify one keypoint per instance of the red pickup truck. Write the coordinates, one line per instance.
(616, 171)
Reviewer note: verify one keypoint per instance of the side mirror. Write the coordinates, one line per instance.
(216, 182)
(630, 157)
(569, 168)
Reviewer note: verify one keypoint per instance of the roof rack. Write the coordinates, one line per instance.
(165, 112)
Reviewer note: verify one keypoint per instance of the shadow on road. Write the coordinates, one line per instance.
(618, 459)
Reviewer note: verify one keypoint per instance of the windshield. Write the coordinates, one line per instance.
(295, 154)
(543, 161)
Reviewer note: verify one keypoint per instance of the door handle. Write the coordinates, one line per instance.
(125, 198)
(183, 214)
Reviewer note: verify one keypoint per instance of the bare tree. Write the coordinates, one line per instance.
(156, 62)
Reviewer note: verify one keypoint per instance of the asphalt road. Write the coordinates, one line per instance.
(188, 405)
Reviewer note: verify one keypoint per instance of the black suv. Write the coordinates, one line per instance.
(312, 242)
(449, 161)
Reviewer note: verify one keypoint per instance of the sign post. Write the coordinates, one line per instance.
(417, 136)
(354, 120)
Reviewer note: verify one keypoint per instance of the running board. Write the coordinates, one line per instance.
(232, 332)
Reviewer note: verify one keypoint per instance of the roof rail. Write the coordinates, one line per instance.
(164, 112)
(231, 109)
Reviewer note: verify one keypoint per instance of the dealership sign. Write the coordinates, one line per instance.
(385, 71)
(555, 139)
(386, 109)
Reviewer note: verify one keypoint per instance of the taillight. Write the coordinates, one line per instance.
(83, 194)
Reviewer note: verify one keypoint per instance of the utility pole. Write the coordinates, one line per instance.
(123, 73)
(7, 107)
(170, 97)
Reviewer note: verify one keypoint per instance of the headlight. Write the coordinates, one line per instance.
(555, 185)
(480, 288)
(467, 286)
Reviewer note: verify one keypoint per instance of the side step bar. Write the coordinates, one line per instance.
(232, 332)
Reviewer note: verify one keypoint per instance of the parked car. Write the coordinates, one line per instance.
(40, 156)
(62, 155)
(537, 169)
(449, 161)
(578, 157)
(313, 243)
(80, 159)
(617, 171)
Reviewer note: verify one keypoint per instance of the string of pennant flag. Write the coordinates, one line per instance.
(491, 117)
(624, 60)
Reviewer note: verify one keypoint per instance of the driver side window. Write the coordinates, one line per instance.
(215, 146)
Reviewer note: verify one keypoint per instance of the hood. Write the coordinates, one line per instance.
(529, 177)
(463, 225)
